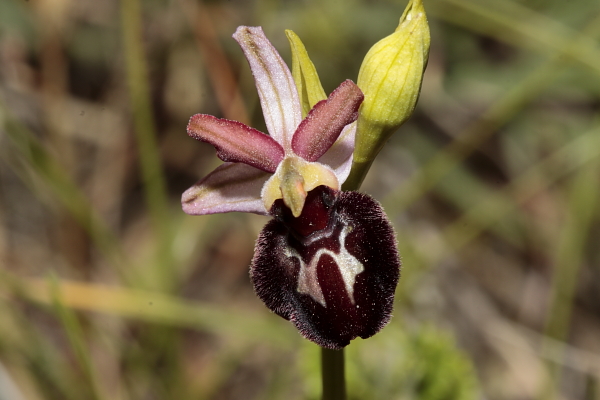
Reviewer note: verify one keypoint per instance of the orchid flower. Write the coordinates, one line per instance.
(258, 164)
(327, 261)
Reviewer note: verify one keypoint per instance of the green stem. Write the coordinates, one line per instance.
(357, 175)
(146, 137)
(76, 338)
(582, 211)
(333, 374)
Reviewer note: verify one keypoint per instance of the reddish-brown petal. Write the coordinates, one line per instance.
(236, 142)
(324, 123)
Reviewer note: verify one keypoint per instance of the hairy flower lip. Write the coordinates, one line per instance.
(279, 212)
(317, 235)
(318, 301)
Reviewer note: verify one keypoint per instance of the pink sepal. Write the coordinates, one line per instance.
(230, 187)
(276, 88)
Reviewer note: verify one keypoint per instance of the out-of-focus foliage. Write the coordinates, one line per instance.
(108, 291)
(425, 365)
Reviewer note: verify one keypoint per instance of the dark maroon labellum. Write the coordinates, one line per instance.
(333, 270)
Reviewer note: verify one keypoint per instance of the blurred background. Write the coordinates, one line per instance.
(108, 291)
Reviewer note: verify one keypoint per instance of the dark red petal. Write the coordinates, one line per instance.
(237, 142)
(325, 312)
(324, 123)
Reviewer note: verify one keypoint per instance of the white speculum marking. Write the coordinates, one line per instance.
(349, 266)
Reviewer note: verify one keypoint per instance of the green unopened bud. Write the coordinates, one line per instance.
(390, 78)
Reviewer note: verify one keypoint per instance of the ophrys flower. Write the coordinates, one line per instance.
(328, 260)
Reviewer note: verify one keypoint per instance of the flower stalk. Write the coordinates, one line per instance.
(333, 374)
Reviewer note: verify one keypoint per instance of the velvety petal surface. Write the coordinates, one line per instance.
(276, 88)
(325, 122)
(339, 156)
(332, 271)
(236, 142)
(230, 187)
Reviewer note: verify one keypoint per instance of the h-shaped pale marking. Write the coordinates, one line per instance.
(349, 266)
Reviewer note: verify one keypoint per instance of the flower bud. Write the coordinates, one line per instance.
(390, 78)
